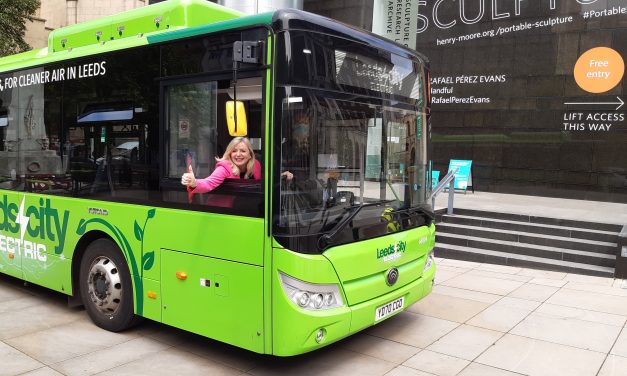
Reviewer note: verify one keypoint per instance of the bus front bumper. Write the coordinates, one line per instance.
(297, 331)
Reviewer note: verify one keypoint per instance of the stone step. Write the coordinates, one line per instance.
(595, 246)
(502, 258)
(533, 228)
(555, 253)
(610, 227)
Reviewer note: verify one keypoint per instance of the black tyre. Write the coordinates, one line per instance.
(105, 286)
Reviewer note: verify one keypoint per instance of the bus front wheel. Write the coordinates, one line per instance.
(105, 286)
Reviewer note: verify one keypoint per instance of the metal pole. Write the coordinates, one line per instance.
(451, 194)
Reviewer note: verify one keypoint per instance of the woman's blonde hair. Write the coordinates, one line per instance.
(250, 166)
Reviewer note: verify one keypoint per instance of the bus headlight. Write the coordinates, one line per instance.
(430, 261)
(302, 299)
(311, 296)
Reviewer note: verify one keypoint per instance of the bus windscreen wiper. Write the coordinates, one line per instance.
(326, 239)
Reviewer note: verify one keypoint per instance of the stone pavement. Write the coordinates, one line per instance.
(480, 320)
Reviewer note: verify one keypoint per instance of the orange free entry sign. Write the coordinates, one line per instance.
(599, 69)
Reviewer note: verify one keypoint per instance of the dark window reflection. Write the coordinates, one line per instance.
(111, 134)
(97, 136)
(9, 115)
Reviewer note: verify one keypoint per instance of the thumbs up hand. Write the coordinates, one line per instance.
(188, 178)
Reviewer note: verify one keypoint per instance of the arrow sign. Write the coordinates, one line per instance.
(620, 103)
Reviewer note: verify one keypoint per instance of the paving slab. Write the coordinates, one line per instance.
(501, 318)
(590, 301)
(105, 359)
(380, 348)
(436, 363)
(448, 307)
(477, 369)
(614, 366)
(562, 312)
(536, 357)
(44, 371)
(14, 362)
(532, 291)
(548, 282)
(569, 331)
(500, 275)
(500, 268)
(67, 341)
(466, 342)
(35, 318)
(332, 362)
(466, 294)
(172, 362)
(490, 285)
(620, 347)
(413, 329)
(407, 371)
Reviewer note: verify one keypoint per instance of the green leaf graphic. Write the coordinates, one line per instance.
(148, 260)
(82, 226)
(151, 213)
(139, 234)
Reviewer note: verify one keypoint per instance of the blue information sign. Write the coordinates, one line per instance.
(463, 177)
(435, 178)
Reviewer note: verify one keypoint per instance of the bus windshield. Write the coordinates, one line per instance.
(352, 166)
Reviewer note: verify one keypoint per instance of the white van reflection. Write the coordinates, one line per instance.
(126, 150)
(123, 153)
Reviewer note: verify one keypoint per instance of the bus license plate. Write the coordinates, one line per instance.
(389, 308)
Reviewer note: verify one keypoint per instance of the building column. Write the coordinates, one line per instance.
(72, 12)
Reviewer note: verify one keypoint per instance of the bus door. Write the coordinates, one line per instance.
(212, 269)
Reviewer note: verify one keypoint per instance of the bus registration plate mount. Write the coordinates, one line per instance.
(389, 308)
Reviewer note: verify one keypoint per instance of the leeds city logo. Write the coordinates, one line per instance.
(392, 252)
(34, 225)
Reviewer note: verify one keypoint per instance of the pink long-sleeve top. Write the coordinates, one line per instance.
(221, 172)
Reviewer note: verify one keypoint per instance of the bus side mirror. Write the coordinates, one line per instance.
(233, 111)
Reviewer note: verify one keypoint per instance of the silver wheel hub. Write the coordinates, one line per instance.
(104, 285)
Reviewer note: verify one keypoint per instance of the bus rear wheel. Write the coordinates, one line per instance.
(105, 286)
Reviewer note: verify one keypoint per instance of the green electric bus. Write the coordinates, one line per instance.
(98, 128)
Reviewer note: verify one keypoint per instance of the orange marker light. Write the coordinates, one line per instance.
(181, 275)
(152, 295)
(11, 256)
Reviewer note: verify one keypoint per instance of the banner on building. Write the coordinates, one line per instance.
(396, 20)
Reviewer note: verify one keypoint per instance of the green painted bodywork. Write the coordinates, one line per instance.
(179, 19)
(219, 299)
(232, 290)
(362, 278)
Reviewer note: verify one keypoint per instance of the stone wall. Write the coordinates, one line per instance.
(36, 33)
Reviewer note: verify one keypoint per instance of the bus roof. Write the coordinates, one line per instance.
(172, 20)
(131, 29)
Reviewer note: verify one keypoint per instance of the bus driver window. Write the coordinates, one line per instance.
(202, 149)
